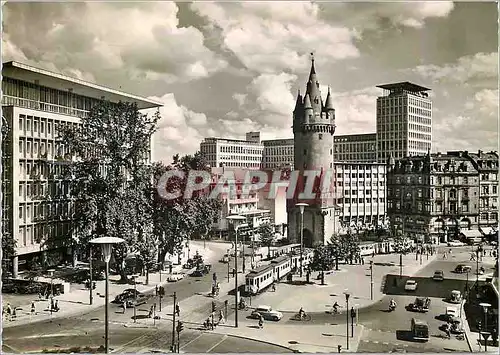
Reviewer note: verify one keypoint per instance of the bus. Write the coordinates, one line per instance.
(419, 329)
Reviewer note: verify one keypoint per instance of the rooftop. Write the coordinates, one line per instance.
(404, 85)
(27, 73)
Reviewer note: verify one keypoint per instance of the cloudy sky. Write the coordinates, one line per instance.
(222, 69)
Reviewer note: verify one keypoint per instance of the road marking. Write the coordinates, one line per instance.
(220, 342)
(189, 342)
(385, 343)
(50, 335)
(130, 342)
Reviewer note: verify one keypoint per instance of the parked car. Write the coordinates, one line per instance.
(175, 276)
(189, 264)
(461, 269)
(137, 301)
(129, 292)
(267, 313)
(421, 304)
(438, 275)
(224, 259)
(455, 296)
(411, 285)
(455, 243)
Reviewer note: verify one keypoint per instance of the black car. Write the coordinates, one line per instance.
(197, 273)
(461, 269)
(129, 292)
(420, 304)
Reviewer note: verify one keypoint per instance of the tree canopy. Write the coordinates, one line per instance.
(266, 232)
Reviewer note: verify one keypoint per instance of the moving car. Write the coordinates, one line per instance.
(197, 273)
(411, 285)
(438, 275)
(267, 313)
(419, 329)
(455, 296)
(421, 304)
(456, 326)
(175, 276)
(451, 313)
(461, 269)
(224, 259)
(129, 292)
(137, 301)
(455, 243)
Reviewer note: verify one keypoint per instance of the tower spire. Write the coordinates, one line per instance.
(313, 70)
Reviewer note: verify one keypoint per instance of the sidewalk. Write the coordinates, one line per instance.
(77, 301)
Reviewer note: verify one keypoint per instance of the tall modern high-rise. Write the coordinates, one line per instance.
(36, 199)
(404, 121)
(313, 129)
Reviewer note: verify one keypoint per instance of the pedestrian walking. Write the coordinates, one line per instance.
(261, 321)
(56, 306)
(221, 317)
(124, 305)
(14, 315)
(150, 314)
(362, 261)
(9, 311)
(33, 308)
(51, 304)
(472, 257)
(234, 272)
(177, 310)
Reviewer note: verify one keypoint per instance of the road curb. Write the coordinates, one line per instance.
(254, 339)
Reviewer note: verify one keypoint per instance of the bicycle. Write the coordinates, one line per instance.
(304, 317)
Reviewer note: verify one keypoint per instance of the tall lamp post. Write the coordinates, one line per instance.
(236, 220)
(485, 334)
(106, 245)
(347, 295)
(301, 206)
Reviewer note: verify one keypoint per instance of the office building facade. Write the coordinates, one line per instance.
(404, 121)
(36, 104)
(355, 148)
(278, 154)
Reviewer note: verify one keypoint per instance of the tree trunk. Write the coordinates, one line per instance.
(147, 276)
(162, 254)
(322, 277)
(269, 252)
(337, 263)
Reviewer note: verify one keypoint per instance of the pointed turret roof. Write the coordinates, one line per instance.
(328, 102)
(298, 102)
(307, 102)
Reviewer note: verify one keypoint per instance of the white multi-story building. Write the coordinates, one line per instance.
(36, 182)
(233, 153)
(278, 154)
(355, 148)
(404, 121)
(361, 193)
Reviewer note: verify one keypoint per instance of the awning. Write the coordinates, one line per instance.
(486, 230)
(471, 233)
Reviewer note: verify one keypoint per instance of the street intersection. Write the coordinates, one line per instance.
(377, 330)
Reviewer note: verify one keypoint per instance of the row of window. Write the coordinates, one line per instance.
(37, 148)
(420, 128)
(420, 146)
(28, 235)
(28, 213)
(279, 151)
(355, 147)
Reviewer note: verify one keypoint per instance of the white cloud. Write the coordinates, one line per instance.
(267, 37)
(93, 37)
(355, 111)
(478, 66)
(240, 98)
(273, 93)
(180, 130)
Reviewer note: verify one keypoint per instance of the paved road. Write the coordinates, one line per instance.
(87, 329)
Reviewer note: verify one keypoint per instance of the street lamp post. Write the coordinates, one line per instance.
(477, 267)
(301, 206)
(228, 262)
(347, 295)
(485, 332)
(90, 274)
(371, 280)
(243, 251)
(236, 220)
(106, 245)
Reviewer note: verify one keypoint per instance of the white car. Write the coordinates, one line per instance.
(411, 285)
(455, 243)
(175, 276)
(451, 312)
(267, 313)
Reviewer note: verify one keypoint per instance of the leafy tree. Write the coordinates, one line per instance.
(111, 176)
(344, 246)
(266, 232)
(322, 260)
(8, 252)
(179, 219)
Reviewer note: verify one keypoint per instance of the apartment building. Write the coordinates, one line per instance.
(36, 203)
(360, 194)
(278, 154)
(404, 121)
(486, 163)
(355, 148)
(437, 196)
(233, 153)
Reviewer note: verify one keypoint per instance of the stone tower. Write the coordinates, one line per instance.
(313, 129)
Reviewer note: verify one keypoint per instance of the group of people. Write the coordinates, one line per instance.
(210, 323)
